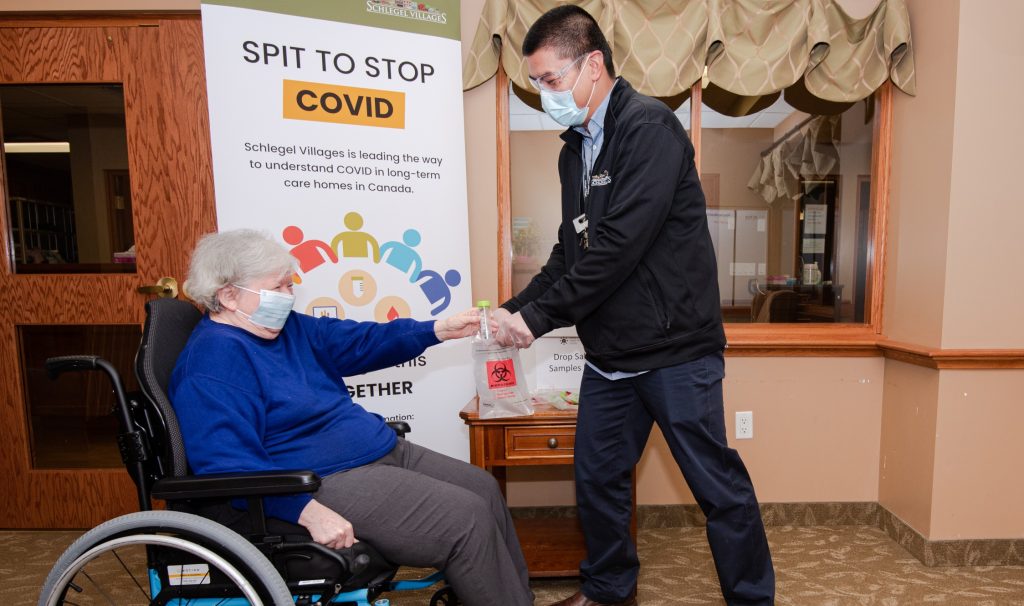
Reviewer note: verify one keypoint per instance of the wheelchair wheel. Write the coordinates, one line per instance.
(445, 596)
(163, 557)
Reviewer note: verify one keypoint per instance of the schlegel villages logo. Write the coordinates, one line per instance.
(420, 11)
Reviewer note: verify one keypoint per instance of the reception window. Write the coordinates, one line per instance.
(788, 207)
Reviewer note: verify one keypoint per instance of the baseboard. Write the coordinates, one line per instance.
(553, 512)
(959, 552)
(963, 552)
(773, 514)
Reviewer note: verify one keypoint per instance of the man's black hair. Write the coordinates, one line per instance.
(571, 31)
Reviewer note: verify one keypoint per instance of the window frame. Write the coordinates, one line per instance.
(811, 339)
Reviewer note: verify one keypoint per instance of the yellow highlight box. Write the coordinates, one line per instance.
(343, 104)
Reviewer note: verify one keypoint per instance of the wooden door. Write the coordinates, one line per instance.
(158, 62)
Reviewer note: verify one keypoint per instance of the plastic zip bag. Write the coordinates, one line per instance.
(500, 381)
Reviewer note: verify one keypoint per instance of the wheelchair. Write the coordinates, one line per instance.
(201, 551)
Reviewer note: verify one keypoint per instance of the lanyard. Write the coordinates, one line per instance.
(588, 152)
(581, 222)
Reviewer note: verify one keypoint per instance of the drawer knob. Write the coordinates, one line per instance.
(552, 442)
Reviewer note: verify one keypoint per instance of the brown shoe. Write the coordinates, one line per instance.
(578, 599)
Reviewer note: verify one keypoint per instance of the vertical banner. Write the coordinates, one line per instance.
(338, 129)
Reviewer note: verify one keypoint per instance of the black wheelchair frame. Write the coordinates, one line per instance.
(201, 551)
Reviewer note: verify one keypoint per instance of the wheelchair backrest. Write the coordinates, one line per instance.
(169, 323)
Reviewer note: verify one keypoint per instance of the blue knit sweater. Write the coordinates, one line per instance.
(246, 403)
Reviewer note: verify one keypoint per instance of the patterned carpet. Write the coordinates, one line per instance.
(815, 566)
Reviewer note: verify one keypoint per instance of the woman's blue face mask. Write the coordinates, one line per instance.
(273, 310)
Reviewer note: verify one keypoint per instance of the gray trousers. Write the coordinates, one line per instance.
(421, 508)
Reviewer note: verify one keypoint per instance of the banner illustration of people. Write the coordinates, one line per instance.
(312, 254)
(337, 128)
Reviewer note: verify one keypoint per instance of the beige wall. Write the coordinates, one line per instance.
(915, 272)
(907, 460)
(919, 189)
(816, 437)
(978, 487)
(949, 449)
(481, 174)
(986, 210)
(816, 431)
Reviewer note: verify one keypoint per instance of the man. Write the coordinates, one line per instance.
(634, 271)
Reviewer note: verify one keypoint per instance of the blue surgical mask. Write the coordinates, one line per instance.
(561, 105)
(273, 310)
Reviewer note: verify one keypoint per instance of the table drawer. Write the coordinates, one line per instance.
(539, 442)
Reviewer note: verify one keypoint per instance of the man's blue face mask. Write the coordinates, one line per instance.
(273, 310)
(561, 105)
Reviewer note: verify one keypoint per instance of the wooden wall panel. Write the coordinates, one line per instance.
(147, 96)
(10, 65)
(187, 139)
(68, 299)
(56, 54)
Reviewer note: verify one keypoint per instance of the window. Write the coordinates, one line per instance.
(788, 204)
(791, 209)
(68, 190)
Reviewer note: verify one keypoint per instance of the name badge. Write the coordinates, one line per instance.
(580, 223)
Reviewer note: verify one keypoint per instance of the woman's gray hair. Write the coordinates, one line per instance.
(233, 257)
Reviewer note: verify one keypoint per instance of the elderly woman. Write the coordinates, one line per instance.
(259, 387)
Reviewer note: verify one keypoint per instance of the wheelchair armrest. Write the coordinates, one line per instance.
(400, 427)
(235, 485)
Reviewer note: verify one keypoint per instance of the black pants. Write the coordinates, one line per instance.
(615, 420)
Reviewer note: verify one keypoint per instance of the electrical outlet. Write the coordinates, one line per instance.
(744, 425)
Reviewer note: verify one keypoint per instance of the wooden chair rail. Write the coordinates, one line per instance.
(860, 341)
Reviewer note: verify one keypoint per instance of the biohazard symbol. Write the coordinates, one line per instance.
(500, 373)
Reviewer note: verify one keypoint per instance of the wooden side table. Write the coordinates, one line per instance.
(553, 546)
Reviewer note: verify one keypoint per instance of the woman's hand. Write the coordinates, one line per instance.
(460, 325)
(326, 526)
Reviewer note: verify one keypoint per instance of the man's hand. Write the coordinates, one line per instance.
(460, 325)
(500, 314)
(512, 330)
(326, 526)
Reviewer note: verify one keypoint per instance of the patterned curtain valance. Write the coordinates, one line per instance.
(822, 59)
(811, 150)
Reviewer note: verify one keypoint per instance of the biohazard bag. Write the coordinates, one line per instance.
(500, 381)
